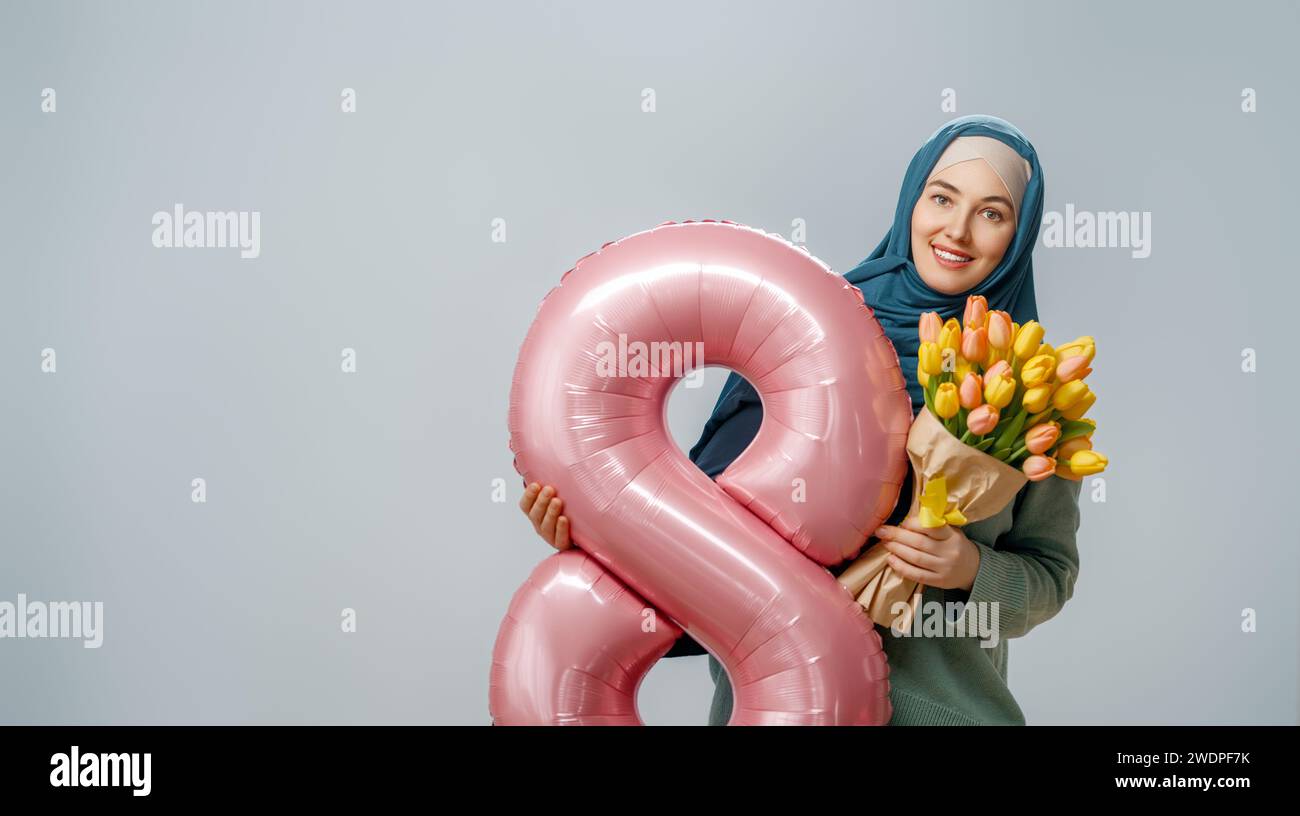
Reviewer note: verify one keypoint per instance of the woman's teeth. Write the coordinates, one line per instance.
(951, 257)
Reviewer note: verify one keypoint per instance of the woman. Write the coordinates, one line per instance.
(966, 224)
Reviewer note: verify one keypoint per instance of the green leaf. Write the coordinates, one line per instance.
(1012, 431)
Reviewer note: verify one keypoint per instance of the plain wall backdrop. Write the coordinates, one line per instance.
(373, 490)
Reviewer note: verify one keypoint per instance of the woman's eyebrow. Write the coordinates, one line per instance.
(947, 186)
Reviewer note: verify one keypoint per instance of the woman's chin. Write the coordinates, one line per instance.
(949, 283)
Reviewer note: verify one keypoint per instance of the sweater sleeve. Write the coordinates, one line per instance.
(1031, 571)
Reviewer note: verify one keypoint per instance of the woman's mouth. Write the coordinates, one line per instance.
(950, 258)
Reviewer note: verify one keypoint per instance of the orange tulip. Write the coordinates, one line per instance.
(974, 344)
(929, 327)
(1040, 438)
(1072, 446)
(1063, 470)
(982, 419)
(972, 391)
(1072, 368)
(977, 308)
(1038, 468)
(999, 369)
(1000, 330)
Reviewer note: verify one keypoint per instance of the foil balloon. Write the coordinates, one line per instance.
(739, 563)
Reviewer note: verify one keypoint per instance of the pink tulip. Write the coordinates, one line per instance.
(971, 391)
(974, 344)
(982, 419)
(929, 327)
(1038, 468)
(1000, 367)
(977, 307)
(1072, 368)
(1042, 437)
(999, 326)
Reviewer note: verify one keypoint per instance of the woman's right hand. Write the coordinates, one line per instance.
(543, 507)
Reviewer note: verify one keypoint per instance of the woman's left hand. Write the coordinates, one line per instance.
(942, 557)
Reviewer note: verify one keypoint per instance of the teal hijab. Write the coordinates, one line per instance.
(895, 292)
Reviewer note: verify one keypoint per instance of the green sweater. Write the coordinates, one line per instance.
(1028, 564)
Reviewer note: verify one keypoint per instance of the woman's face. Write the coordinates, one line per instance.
(965, 213)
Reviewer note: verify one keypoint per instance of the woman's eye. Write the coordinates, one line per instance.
(939, 198)
(994, 215)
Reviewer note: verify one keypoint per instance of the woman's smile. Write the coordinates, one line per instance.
(950, 257)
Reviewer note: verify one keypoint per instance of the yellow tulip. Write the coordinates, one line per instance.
(1070, 447)
(992, 357)
(950, 335)
(1035, 399)
(1027, 339)
(921, 376)
(1045, 348)
(1081, 407)
(1068, 395)
(963, 368)
(1038, 370)
(934, 505)
(1087, 462)
(1083, 346)
(930, 358)
(998, 391)
(946, 400)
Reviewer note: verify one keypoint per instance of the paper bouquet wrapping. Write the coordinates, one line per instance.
(964, 485)
(1002, 408)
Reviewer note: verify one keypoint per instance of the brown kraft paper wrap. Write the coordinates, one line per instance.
(978, 485)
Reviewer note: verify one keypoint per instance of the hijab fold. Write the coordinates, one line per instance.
(895, 292)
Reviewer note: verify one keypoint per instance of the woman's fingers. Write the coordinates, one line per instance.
(932, 533)
(548, 521)
(538, 511)
(913, 539)
(562, 541)
(912, 573)
(912, 555)
(530, 496)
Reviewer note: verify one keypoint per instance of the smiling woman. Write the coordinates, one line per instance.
(966, 215)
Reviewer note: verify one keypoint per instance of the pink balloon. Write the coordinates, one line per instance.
(736, 563)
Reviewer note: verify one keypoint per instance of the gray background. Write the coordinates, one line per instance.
(373, 490)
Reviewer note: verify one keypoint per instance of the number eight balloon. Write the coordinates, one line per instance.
(740, 563)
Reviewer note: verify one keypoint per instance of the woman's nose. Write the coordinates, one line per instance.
(957, 229)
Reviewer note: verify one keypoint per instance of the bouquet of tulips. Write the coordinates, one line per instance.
(999, 388)
(1001, 408)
